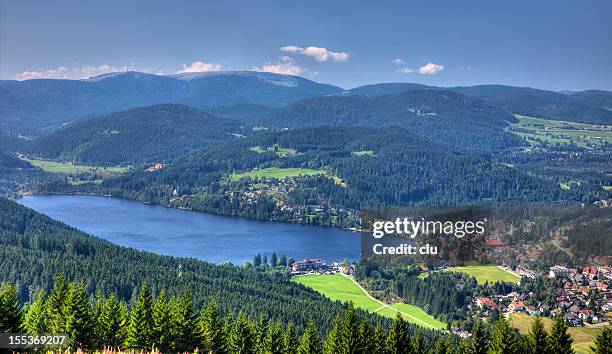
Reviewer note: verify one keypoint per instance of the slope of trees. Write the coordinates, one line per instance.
(174, 324)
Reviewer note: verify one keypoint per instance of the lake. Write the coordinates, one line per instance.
(174, 232)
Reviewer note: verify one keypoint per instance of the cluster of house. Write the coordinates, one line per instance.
(584, 296)
(314, 266)
(155, 167)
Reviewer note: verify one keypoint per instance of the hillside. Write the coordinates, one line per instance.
(149, 134)
(50, 103)
(591, 106)
(34, 249)
(342, 168)
(444, 117)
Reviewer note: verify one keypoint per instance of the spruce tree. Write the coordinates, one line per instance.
(257, 260)
(140, 329)
(212, 328)
(332, 343)
(365, 340)
(261, 331)
(228, 326)
(349, 334)
(477, 344)
(36, 316)
(185, 323)
(503, 338)
(273, 260)
(603, 342)
(443, 345)
(310, 343)
(162, 323)
(290, 340)
(282, 261)
(274, 340)
(112, 323)
(55, 316)
(397, 339)
(79, 321)
(418, 344)
(11, 317)
(241, 337)
(538, 338)
(379, 345)
(559, 341)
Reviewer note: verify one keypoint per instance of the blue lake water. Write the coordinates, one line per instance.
(210, 237)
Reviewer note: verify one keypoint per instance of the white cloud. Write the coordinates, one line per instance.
(287, 66)
(398, 61)
(405, 70)
(199, 67)
(430, 69)
(77, 73)
(318, 53)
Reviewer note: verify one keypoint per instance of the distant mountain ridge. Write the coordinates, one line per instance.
(591, 106)
(44, 103)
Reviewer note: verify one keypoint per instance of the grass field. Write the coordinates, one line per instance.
(563, 132)
(282, 152)
(276, 172)
(68, 168)
(486, 272)
(363, 153)
(341, 288)
(583, 336)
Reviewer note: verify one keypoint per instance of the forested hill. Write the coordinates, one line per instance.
(149, 134)
(372, 166)
(34, 249)
(445, 117)
(591, 106)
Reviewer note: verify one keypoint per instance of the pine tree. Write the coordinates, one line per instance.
(503, 339)
(162, 323)
(112, 323)
(228, 326)
(186, 333)
(332, 343)
(397, 339)
(56, 318)
(282, 261)
(140, 329)
(241, 337)
(212, 328)
(603, 342)
(378, 340)
(264, 260)
(538, 338)
(290, 340)
(257, 260)
(96, 313)
(274, 340)
(273, 260)
(559, 341)
(310, 343)
(418, 344)
(477, 344)
(365, 342)
(261, 331)
(35, 320)
(349, 338)
(79, 321)
(443, 345)
(11, 317)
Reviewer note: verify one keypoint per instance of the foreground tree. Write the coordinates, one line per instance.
(186, 332)
(10, 313)
(559, 341)
(212, 328)
(35, 320)
(290, 340)
(310, 344)
(162, 323)
(603, 342)
(113, 322)
(397, 339)
(140, 330)
(503, 338)
(538, 338)
(241, 337)
(477, 344)
(79, 322)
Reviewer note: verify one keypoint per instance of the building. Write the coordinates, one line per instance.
(307, 265)
(517, 306)
(486, 302)
(558, 272)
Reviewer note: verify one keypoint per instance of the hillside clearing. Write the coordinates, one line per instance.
(341, 288)
(276, 172)
(69, 168)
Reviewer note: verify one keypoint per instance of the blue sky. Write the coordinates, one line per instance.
(559, 45)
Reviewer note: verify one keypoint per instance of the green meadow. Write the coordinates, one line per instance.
(69, 168)
(562, 132)
(276, 172)
(341, 288)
